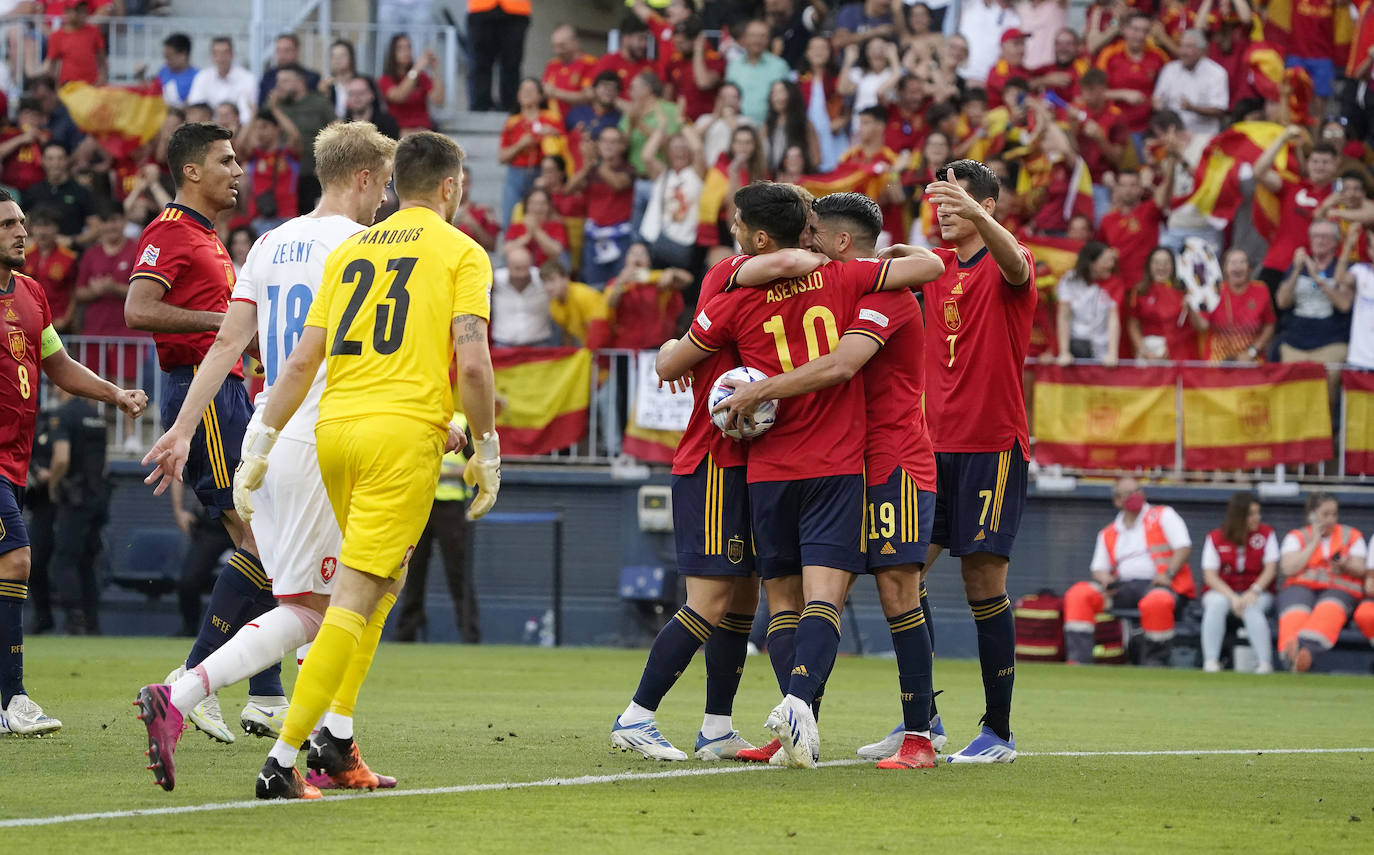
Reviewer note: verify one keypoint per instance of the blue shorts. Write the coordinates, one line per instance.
(814, 521)
(711, 522)
(218, 441)
(979, 497)
(13, 533)
(1321, 69)
(899, 519)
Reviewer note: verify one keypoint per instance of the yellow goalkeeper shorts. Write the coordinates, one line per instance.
(380, 473)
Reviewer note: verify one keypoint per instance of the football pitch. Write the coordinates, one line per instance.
(505, 749)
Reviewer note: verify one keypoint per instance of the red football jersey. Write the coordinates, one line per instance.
(680, 74)
(569, 76)
(24, 315)
(978, 328)
(24, 167)
(1123, 72)
(702, 437)
(1313, 28)
(56, 272)
(894, 381)
(625, 69)
(180, 250)
(1133, 235)
(1298, 201)
(786, 324)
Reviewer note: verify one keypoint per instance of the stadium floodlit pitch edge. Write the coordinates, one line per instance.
(584, 780)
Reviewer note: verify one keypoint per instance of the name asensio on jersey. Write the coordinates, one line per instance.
(380, 236)
(792, 287)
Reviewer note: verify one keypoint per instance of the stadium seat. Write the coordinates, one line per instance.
(147, 562)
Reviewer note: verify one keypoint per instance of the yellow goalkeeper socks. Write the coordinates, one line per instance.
(346, 697)
(334, 648)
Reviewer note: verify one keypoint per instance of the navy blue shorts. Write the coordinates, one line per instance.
(711, 522)
(979, 497)
(814, 521)
(13, 533)
(218, 441)
(899, 517)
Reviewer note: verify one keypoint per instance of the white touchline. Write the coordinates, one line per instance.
(583, 780)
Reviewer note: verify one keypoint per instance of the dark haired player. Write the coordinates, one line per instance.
(179, 291)
(884, 340)
(30, 342)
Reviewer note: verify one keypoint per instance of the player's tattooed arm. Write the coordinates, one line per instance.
(470, 329)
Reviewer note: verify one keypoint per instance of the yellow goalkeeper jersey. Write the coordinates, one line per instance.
(387, 304)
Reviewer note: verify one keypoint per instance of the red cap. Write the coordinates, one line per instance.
(1014, 33)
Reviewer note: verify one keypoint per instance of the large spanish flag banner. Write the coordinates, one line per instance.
(120, 118)
(1242, 418)
(546, 392)
(1091, 417)
(647, 444)
(1359, 422)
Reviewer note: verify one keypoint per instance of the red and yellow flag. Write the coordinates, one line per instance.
(648, 445)
(120, 118)
(1216, 182)
(547, 392)
(1359, 422)
(1091, 417)
(1054, 256)
(1243, 418)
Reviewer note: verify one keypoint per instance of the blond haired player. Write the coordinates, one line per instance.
(395, 303)
(297, 534)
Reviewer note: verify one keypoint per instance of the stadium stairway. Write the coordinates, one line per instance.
(480, 136)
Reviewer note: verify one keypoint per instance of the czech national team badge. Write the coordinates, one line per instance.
(735, 550)
(327, 568)
(952, 319)
(18, 345)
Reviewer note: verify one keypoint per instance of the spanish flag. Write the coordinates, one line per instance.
(1243, 418)
(547, 392)
(1359, 422)
(1054, 256)
(1091, 417)
(120, 118)
(648, 445)
(856, 173)
(1216, 183)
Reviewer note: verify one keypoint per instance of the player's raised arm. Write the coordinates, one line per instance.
(951, 199)
(838, 366)
(783, 264)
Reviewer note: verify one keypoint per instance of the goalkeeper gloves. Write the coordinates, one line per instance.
(253, 467)
(484, 472)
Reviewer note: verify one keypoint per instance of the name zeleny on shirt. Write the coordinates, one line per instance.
(793, 287)
(381, 236)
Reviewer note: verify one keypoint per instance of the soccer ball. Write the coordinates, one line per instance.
(763, 416)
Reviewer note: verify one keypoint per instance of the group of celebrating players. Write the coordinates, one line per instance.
(858, 475)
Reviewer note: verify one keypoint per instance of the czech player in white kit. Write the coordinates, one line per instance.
(295, 527)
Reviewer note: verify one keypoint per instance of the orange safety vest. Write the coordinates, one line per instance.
(1160, 551)
(1317, 573)
(510, 7)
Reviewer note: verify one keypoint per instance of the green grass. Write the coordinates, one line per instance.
(438, 716)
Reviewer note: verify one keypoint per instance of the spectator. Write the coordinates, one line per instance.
(474, 220)
(602, 111)
(286, 52)
(1239, 564)
(921, 38)
(793, 169)
(225, 81)
(1298, 200)
(608, 183)
(1157, 317)
(1316, 307)
(906, 121)
(1324, 578)
(365, 105)
(717, 130)
(409, 91)
(1183, 151)
(648, 112)
(786, 126)
(343, 69)
(630, 60)
(77, 486)
(529, 133)
(934, 153)
(869, 153)
(644, 304)
(541, 231)
(496, 31)
(981, 25)
(227, 115)
(662, 27)
(825, 106)
(240, 243)
(1140, 561)
(1011, 63)
(1242, 324)
(69, 197)
(669, 226)
(695, 71)
(448, 525)
(56, 118)
(570, 207)
(1311, 45)
(76, 51)
(579, 310)
(755, 71)
(568, 75)
(147, 193)
(1132, 224)
(1042, 21)
(1194, 86)
(1348, 204)
(1089, 320)
(1358, 279)
(309, 112)
(1063, 75)
(519, 306)
(734, 169)
(873, 84)
(272, 171)
(176, 74)
(792, 24)
(21, 147)
(1132, 65)
(1080, 228)
(862, 21)
(53, 265)
(203, 112)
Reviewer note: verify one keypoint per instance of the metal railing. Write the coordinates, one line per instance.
(130, 363)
